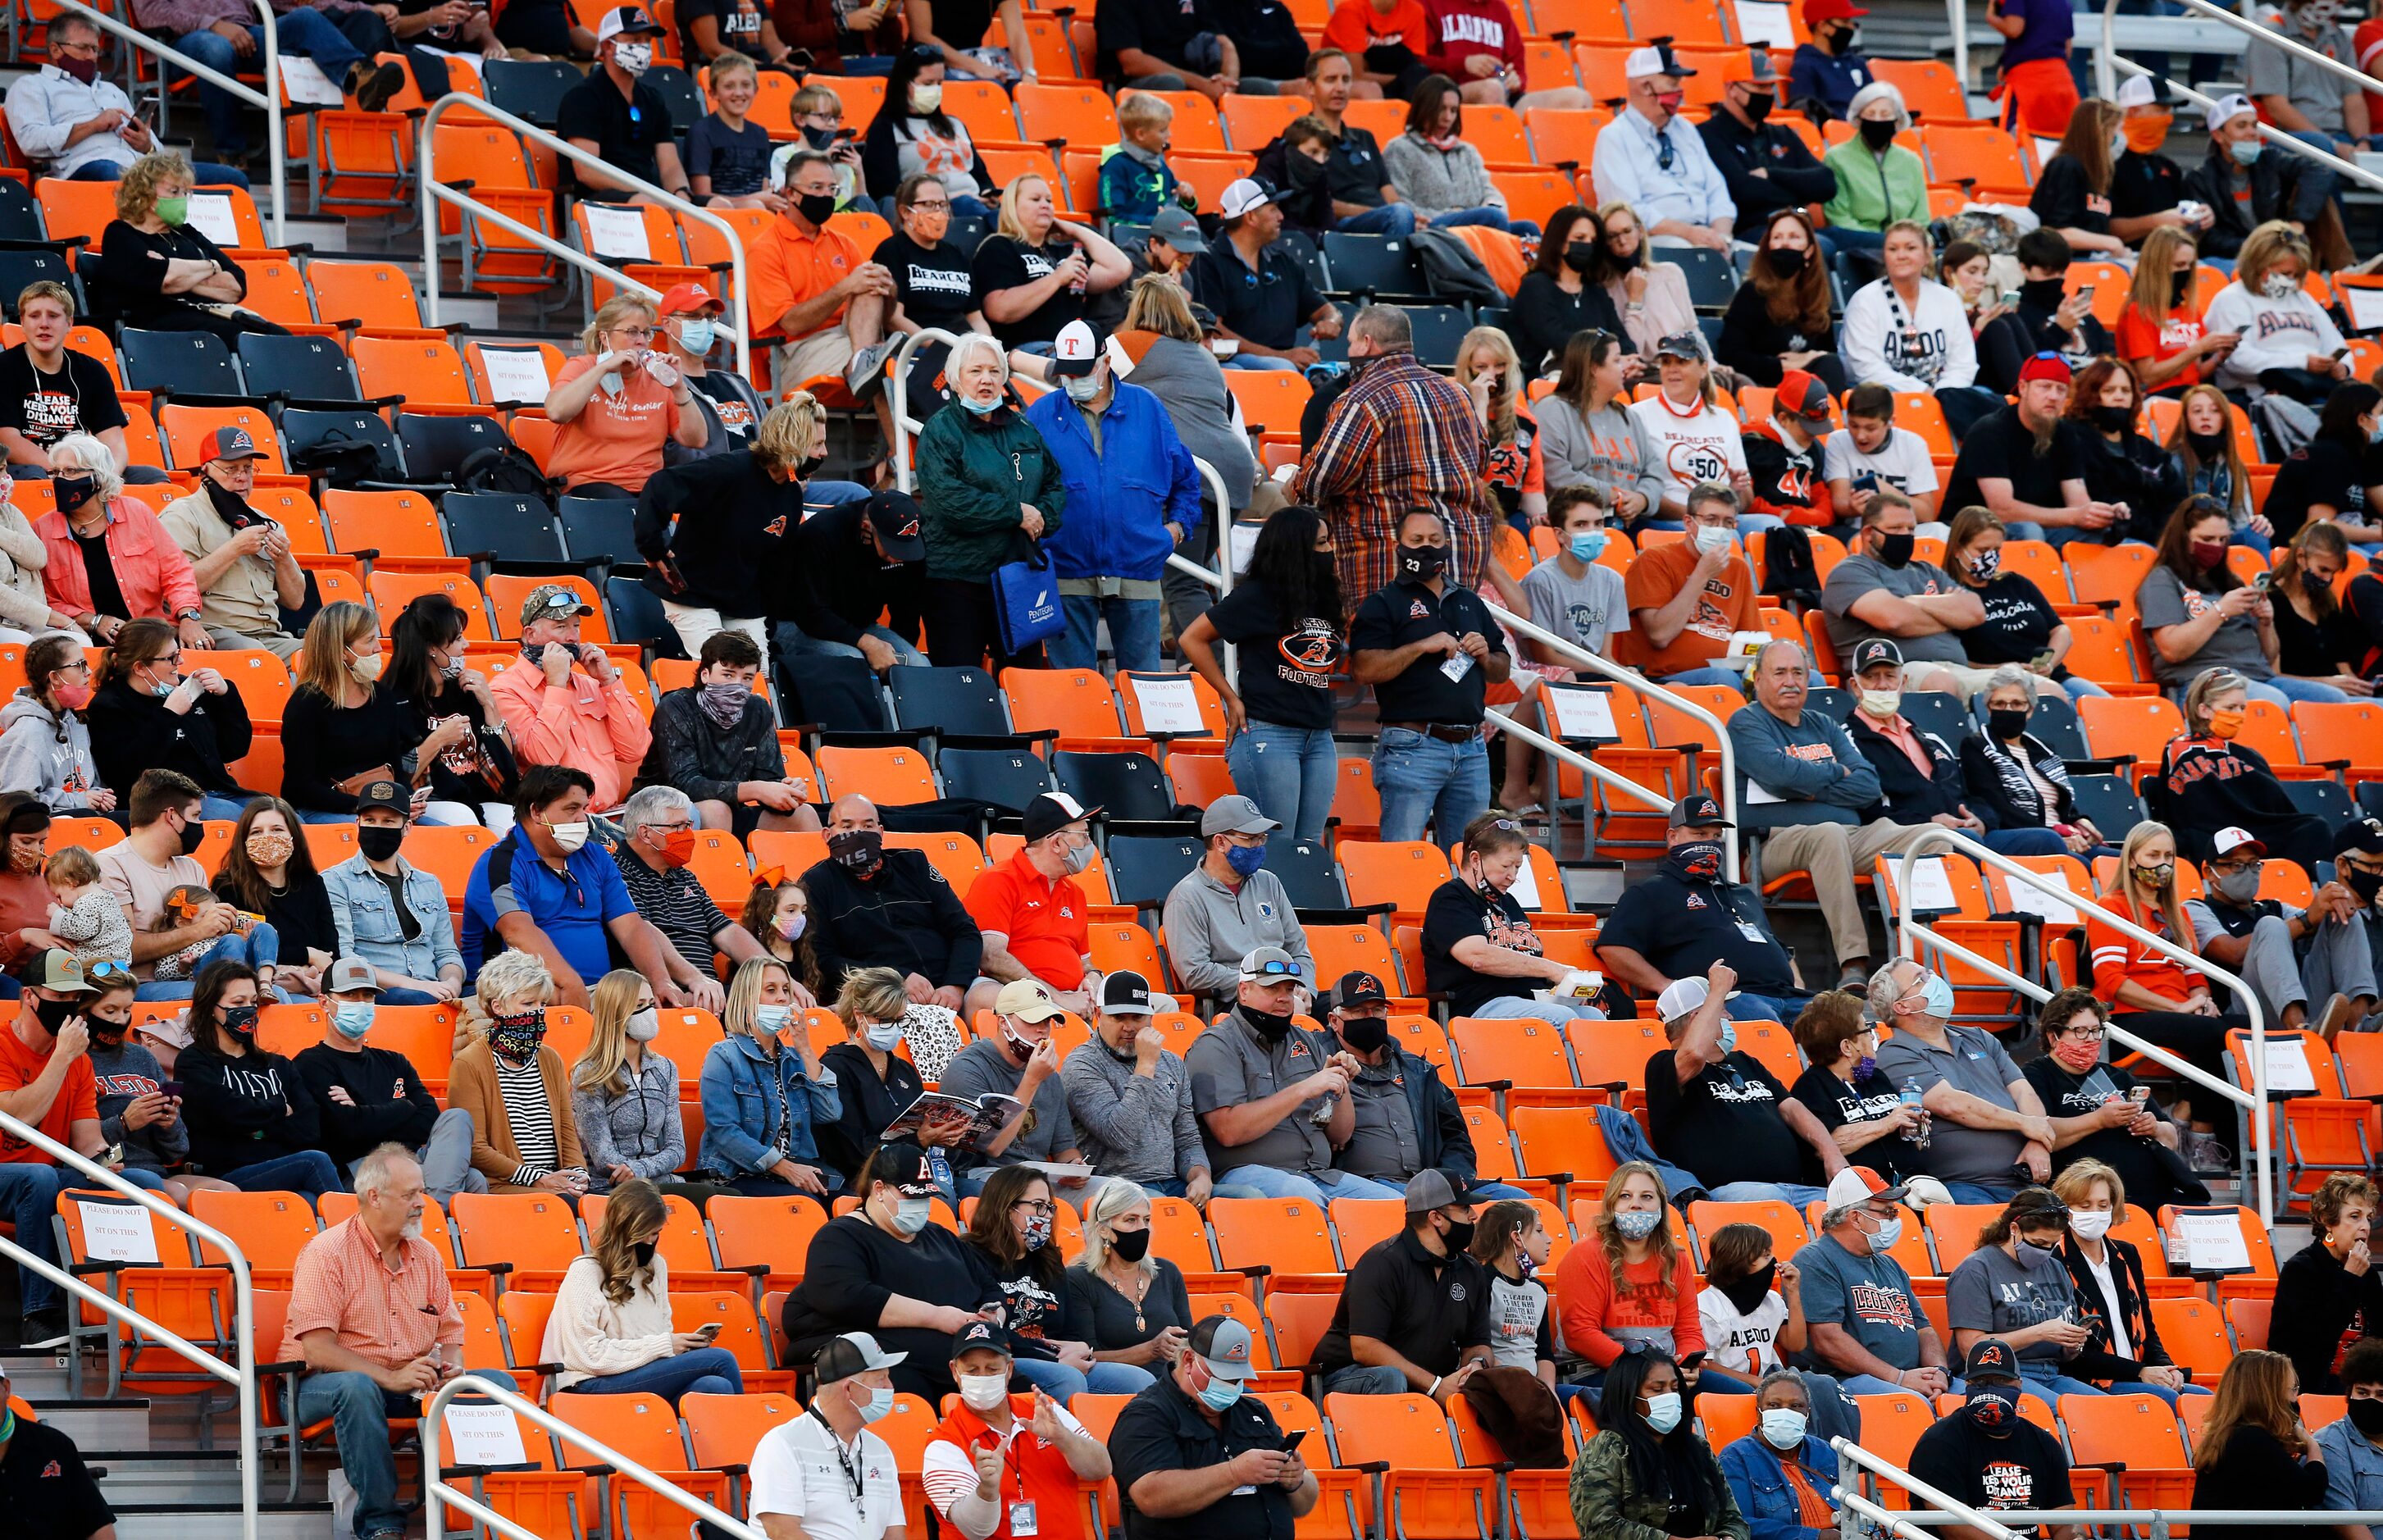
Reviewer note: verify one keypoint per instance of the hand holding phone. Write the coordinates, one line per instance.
(708, 1330)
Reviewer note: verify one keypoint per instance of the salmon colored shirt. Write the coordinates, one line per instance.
(596, 728)
(615, 438)
(77, 1100)
(341, 1284)
(1584, 1285)
(784, 267)
(1729, 604)
(2178, 329)
(1357, 26)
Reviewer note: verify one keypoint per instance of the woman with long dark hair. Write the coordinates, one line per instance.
(251, 1122)
(1287, 611)
(1778, 319)
(912, 135)
(2317, 641)
(2202, 442)
(1439, 172)
(2073, 197)
(2332, 478)
(2199, 613)
(269, 870)
(777, 913)
(2122, 465)
(1564, 293)
(1589, 435)
(460, 733)
(2254, 1450)
(1014, 1230)
(611, 1329)
(1647, 1470)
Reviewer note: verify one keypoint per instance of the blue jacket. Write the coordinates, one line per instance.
(1119, 500)
(1626, 1140)
(746, 1094)
(1752, 1470)
(1817, 75)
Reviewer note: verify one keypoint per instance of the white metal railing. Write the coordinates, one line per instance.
(906, 428)
(268, 100)
(2254, 1099)
(242, 1377)
(1953, 1509)
(1581, 658)
(434, 193)
(2109, 66)
(438, 1496)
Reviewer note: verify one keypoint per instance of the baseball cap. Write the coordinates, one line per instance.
(2225, 109)
(1657, 59)
(1802, 395)
(1176, 227)
(1436, 1187)
(349, 975)
(1358, 988)
(1697, 810)
(551, 601)
(1992, 1358)
(903, 1167)
(2047, 365)
(386, 794)
(625, 18)
(1872, 652)
(1028, 998)
(2138, 93)
(853, 1353)
(2227, 841)
(685, 298)
(53, 969)
(1816, 11)
(1242, 196)
(1076, 351)
(1751, 67)
(2362, 835)
(1126, 992)
(1856, 1185)
(980, 1334)
(1681, 344)
(1053, 811)
(896, 518)
(230, 443)
(1223, 1344)
(1271, 964)
(175, 1030)
(1681, 997)
(1235, 814)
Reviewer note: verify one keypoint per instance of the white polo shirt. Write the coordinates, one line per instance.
(799, 1470)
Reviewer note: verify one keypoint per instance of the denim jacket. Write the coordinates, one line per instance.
(367, 920)
(747, 1095)
(1763, 1494)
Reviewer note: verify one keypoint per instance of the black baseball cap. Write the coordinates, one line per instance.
(1874, 651)
(894, 517)
(1696, 810)
(1126, 992)
(2362, 835)
(853, 1353)
(1992, 1358)
(980, 1334)
(903, 1167)
(1357, 988)
(385, 795)
(1053, 811)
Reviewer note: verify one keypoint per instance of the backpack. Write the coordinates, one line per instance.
(1788, 569)
(504, 468)
(340, 458)
(1455, 274)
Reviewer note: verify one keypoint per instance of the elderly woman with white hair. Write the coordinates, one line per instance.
(989, 488)
(525, 1138)
(107, 558)
(2013, 778)
(1134, 1304)
(1879, 181)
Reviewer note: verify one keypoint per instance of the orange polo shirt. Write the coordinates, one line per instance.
(341, 1284)
(1032, 1470)
(1356, 26)
(1048, 923)
(77, 1100)
(615, 438)
(784, 267)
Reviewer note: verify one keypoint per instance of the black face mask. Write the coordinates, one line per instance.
(1459, 1238)
(379, 840)
(1422, 564)
(2042, 293)
(2366, 1416)
(1748, 1292)
(1580, 256)
(106, 1034)
(2112, 419)
(1758, 108)
(818, 138)
(73, 491)
(2365, 884)
(2206, 446)
(643, 1251)
(241, 1022)
(1273, 1026)
(1134, 1245)
(2004, 725)
(860, 851)
(808, 466)
(194, 835)
(1787, 260)
(1875, 135)
(2179, 286)
(817, 207)
(1698, 861)
(54, 1014)
(1366, 1034)
(1894, 550)
(1322, 569)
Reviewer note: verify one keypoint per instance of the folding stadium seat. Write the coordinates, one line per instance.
(188, 364)
(400, 531)
(186, 428)
(2347, 736)
(598, 529)
(1613, 1055)
(1953, 1230)
(1419, 1485)
(640, 239)
(1129, 786)
(741, 1333)
(501, 526)
(392, 591)
(1532, 195)
(2247, 1318)
(1354, 948)
(29, 264)
(1143, 868)
(950, 701)
(529, 1236)
(1524, 1061)
(507, 593)
(1048, 45)
(1784, 1226)
(1930, 90)
(376, 296)
(261, 679)
(2134, 728)
(1270, 398)
(647, 1430)
(1076, 703)
(766, 1237)
(1980, 154)
(2323, 1130)
(889, 777)
(2193, 1329)
(144, 1260)
(426, 373)
(75, 209)
(1375, 266)
(2109, 573)
(534, 1491)
(1286, 1239)
(435, 447)
(532, 90)
(1402, 874)
(2138, 1435)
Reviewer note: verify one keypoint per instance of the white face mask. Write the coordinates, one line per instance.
(885, 1037)
(1714, 537)
(634, 58)
(644, 1026)
(983, 1392)
(2279, 286)
(570, 836)
(1881, 704)
(2090, 1223)
(1782, 1427)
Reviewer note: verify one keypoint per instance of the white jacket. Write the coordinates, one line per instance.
(1930, 351)
(2277, 334)
(587, 1333)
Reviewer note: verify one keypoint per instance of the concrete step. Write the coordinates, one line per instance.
(123, 1423)
(179, 1476)
(35, 1375)
(222, 1521)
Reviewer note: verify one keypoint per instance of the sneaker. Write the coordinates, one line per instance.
(1855, 976)
(373, 90)
(43, 1328)
(865, 374)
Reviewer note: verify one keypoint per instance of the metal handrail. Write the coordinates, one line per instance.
(438, 1496)
(2255, 1099)
(1952, 1508)
(435, 192)
(243, 1379)
(1580, 657)
(906, 428)
(2107, 67)
(268, 100)
(2157, 1518)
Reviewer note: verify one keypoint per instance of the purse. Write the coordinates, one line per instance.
(1026, 601)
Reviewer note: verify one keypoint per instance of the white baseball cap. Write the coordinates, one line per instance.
(1681, 998)
(1654, 60)
(2227, 841)
(2138, 91)
(1076, 350)
(2225, 108)
(1242, 196)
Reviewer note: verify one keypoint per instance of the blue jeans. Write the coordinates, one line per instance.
(1259, 360)
(1393, 219)
(794, 642)
(2050, 1384)
(1266, 1181)
(204, 173)
(1715, 674)
(1366, 1379)
(2246, 535)
(2283, 691)
(1133, 633)
(1060, 1382)
(2024, 842)
(710, 1371)
(1978, 1192)
(260, 948)
(1494, 217)
(311, 1172)
(1796, 1193)
(1848, 239)
(307, 32)
(1522, 1008)
(28, 1196)
(2078, 688)
(1871, 1384)
(1289, 771)
(1495, 1191)
(1420, 777)
(221, 808)
(1746, 1005)
(360, 1412)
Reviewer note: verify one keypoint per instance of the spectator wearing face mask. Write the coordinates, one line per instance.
(873, 1082)
(1985, 1128)
(1919, 776)
(1477, 943)
(1685, 915)
(1990, 1456)
(391, 914)
(240, 558)
(1033, 915)
(1414, 1316)
(1689, 598)
(657, 835)
(564, 702)
(514, 1084)
(994, 1445)
(1866, 1326)
(1881, 594)
(798, 1467)
(251, 1120)
(764, 1099)
(367, 1097)
(620, 117)
(2289, 956)
(717, 741)
(1229, 904)
(2101, 1118)
(2244, 185)
(687, 325)
(1826, 72)
(876, 907)
(1561, 296)
(1782, 1473)
(1408, 1120)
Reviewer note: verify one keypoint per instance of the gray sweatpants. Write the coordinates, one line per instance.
(445, 1158)
(2339, 958)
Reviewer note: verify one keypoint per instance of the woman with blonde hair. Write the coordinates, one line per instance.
(1170, 359)
(763, 1093)
(156, 270)
(2073, 197)
(1628, 1284)
(1651, 296)
(1131, 1302)
(2107, 1273)
(718, 533)
(344, 728)
(524, 1136)
(2209, 780)
(877, 1076)
(625, 1095)
(1490, 374)
(2150, 994)
(615, 405)
(1035, 272)
(2160, 331)
(611, 1329)
(2289, 342)
(2254, 1451)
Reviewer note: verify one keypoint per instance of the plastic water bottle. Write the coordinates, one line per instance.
(1911, 1100)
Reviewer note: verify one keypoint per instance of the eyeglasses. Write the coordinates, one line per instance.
(635, 334)
(2084, 1034)
(1037, 1206)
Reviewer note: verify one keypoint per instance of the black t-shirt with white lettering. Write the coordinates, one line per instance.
(46, 407)
(1870, 1097)
(1724, 1123)
(2023, 1469)
(1002, 263)
(2002, 447)
(1285, 675)
(930, 283)
(2019, 622)
(739, 24)
(1458, 909)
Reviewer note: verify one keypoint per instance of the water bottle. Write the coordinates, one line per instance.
(1085, 282)
(1912, 1099)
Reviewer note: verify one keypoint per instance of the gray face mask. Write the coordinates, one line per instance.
(2236, 887)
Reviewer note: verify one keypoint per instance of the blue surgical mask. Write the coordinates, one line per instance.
(1888, 1235)
(1245, 859)
(885, 1037)
(773, 1018)
(1220, 1393)
(1939, 996)
(1589, 546)
(695, 334)
(353, 1018)
(880, 1405)
(1728, 1037)
(2033, 1256)
(1664, 1412)
(1080, 388)
(2245, 151)
(1783, 1428)
(1638, 1224)
(910, 1215)
(976, 408)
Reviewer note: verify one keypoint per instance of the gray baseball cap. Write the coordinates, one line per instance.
(1235, 814)
(349, 975)
(1179, 229)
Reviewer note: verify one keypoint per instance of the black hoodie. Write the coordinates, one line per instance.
(245, 1110)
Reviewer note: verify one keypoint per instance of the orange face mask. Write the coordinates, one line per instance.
(678, 846)
(2146, 134)
(2222, 724)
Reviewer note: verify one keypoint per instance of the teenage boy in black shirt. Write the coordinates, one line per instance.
(1415, 1313)
(48, 391)
(1988, 1455)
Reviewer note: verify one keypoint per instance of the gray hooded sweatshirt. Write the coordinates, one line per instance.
(48, 756)
(1609, 450)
